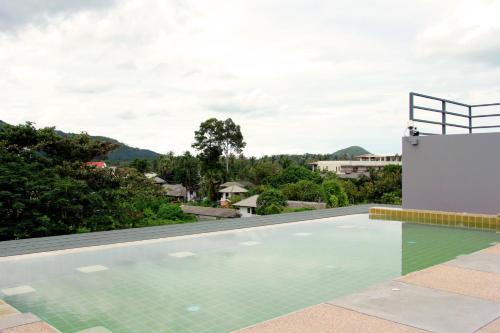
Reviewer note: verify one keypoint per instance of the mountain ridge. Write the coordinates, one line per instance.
(125, 153)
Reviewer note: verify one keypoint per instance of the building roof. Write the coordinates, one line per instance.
(98, 165)
(210, 211)
(305, 204)
(248, 202)
(376, 155)
(354, 163)
(233, 189)
(175, 190)
(252, 202)
(240, 183)
(155, 178)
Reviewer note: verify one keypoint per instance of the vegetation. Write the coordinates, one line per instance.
(47, 189)
(271, 202)
(213, 139)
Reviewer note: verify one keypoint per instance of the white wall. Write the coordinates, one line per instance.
(244, 212)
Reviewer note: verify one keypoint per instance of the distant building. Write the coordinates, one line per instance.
(248, 206)
(97, 165)
(230, 191)
(154, 176)
(179, 192)
(241, 183)
(210, 213)
(357, 167)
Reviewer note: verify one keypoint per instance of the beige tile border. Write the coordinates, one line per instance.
(450, 219)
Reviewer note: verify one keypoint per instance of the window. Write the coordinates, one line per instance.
(249, 210)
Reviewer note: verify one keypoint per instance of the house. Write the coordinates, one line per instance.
(97, 165)
(154, 176)
(210, 213)
(248, 206)
(228, 192)
(179, 192)
(358, 167)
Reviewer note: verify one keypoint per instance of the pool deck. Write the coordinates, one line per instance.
(461, 295)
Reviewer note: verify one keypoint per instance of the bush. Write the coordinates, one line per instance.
(170, 212)
(392, 198)
(333, 194)
(303, 190)
(293, 174)
(273, 209)
(270, 198)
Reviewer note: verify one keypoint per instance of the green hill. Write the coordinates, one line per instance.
(124, 153)
(348, 153)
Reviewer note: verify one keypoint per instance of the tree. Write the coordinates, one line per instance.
(333, 194)
(215, 138)
(140, 164)
(293, 174)
(269, 200)
(262, 170)
(303, 190)
(46, 188)
(231, 140)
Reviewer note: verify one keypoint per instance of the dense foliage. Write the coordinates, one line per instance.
(271, 202)
(46, 188)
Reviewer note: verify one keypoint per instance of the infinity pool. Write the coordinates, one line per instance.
(222, 282)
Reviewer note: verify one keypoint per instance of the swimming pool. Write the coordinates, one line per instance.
(225, 281)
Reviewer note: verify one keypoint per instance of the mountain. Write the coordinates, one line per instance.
(348, 153)
(344, 154)
(124, 153)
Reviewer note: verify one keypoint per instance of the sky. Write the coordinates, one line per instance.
(298, 76)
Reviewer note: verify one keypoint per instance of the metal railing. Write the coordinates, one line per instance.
(444, 112)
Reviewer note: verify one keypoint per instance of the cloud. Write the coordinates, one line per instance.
(126, 115)
(469, 34)
(254, 103)
(297, 78)
(15, 14)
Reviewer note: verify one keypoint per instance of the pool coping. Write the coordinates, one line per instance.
(74, 241)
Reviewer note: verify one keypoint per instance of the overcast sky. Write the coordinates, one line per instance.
(298, 75)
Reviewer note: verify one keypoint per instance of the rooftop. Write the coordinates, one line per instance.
(233, 189)
(210, 211)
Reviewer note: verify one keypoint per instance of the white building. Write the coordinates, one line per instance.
(360, 166)
(228, 192)
(247, 206)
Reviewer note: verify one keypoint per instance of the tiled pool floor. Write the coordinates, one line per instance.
(224, 282)
(459, 296)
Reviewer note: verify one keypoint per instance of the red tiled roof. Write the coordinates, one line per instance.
(99, 165)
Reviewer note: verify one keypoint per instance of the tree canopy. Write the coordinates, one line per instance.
(47, 189)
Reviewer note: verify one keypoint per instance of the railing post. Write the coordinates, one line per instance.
(470, 119)
(443, 117)
(411, 106)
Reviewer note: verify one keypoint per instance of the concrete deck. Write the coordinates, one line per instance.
(55, 243)
(462, 295)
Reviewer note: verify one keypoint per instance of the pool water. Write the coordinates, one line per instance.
(222, 282)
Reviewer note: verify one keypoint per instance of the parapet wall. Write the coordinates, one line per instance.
(454, 173)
